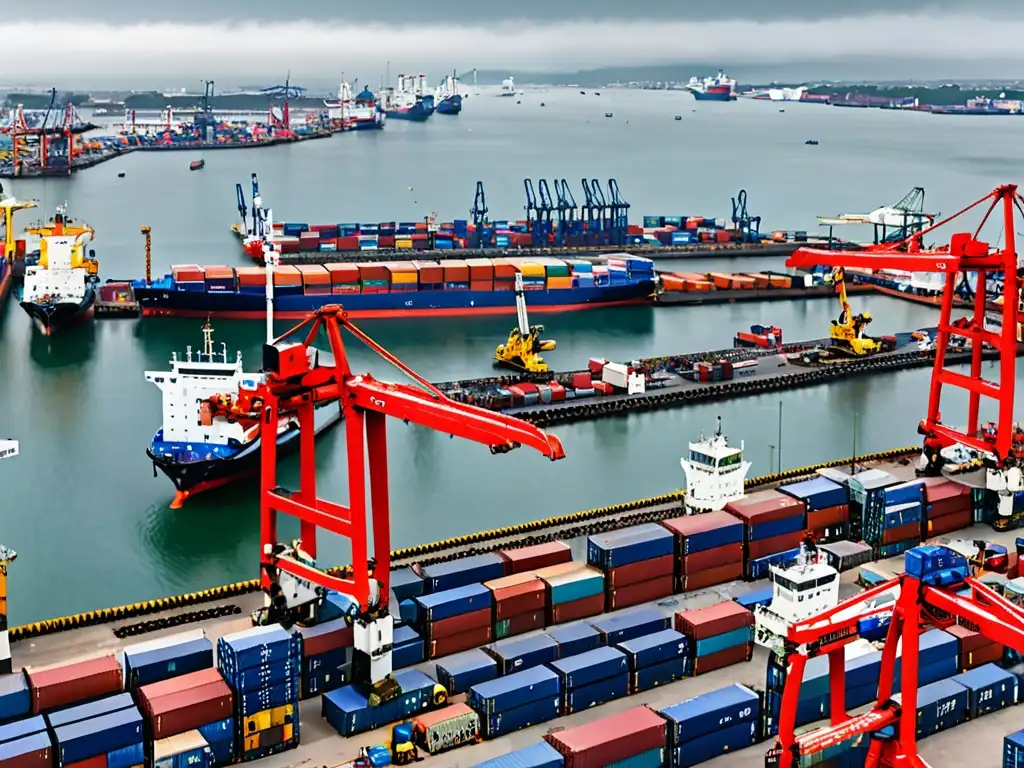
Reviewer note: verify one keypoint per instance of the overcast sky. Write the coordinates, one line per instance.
(151, 43)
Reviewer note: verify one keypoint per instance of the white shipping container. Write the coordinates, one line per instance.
(616, 374)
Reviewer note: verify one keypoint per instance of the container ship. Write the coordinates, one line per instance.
(399, 289)
(447, 99)
(717, 88)
(357, 113)
(408, 101)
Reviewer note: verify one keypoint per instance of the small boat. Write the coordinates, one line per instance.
(195, 165)
(120, 175)
(679, 117)
(811, 142)
(608, 114)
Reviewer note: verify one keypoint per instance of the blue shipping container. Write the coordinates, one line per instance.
(347, 711)
(37, 742)
(1013, 750)
(462, 572)
(254, 648)
(759, 596)
(901, 514)
(247, 704)
(520, 689)
(710, 712)
(266, 676)
(127, 757)
(654, 648)
(728, 531)
(629, 545)
(519, 653)
(619, 627)
(989, 688)
(776, 528)
(818, 493)
(941, 705)
(409, 653)
(453, 602)
(462, 671)
(596, 693)
(14, 697)
(152, 666)
(406, 585)
(759, 568)
(716, 643)
(92, 709)
(98, 736)
(660, 674)
(576, 638)
(501, 723)
(587, 583)
(904, 492)
(712, 745)
(21, 728)
(541, 755)
(586, 668)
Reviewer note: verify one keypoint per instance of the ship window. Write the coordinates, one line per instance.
(729, 461)
(785, 583)
(824, 580)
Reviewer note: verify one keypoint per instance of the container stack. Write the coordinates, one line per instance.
(940, 705)
(156, 660)
(263, 666)
(326, 649)
(656, 659)
(15, 701)
(529, 559)
(638, 563)
(186, 749)
(948, 507)
(712, 724)
(774, 523)
(592, 678)
(462, 572)
(541, 755)
(462, 671)
(625, 625)
(635, 737)
(517, 701)
(866, 493)
(574, 591)
(520, 604)
(197, 701)
(108, 731)
(520, 653)
(455, 620)
(59, 686)
(347, 710)
(26, 744)
(576, 638)
(989, 689)
(892, 520)
(1013, 754)
(406, 586)
(828, 507)
(975, 648)
(408, 648)
(708, 549)
(719, 635)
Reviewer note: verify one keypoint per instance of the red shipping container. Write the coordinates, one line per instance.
(641, 592)
(902, 533)
(148, 693)
(385, 241)
(989, 654)
(735, 655)
(709, 578)
(524, 622)
(603, 387)
(950, 506)
(522, 598)
(317, 644)
(41, 758)
(456, 271)
(577, 609)
(943, 489)
(461, 642)
(625, 575)
(766, 507)
(538, 555)
(481, 285)
(975, 648)
(714, 620)
(187, 710)
(100, 761)
(949, 523)
(52, 687)
(438, 630)
(596, 365)
(711, 558)
(557, 392)
(823, 518)
(582, 381)
(611, 738)
(775, 544)
(349, 243)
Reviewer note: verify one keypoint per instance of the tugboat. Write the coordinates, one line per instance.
(447, 99)
(198, 450)
(715, 472)
(60, 289)
(13, 248)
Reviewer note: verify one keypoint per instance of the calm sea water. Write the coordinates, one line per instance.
(91, 523)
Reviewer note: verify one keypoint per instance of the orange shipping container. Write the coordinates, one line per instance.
(480, 269)
(689, 275)
(760, 281)
(287, 274)
(373, 272)
(780, 281)
(188, 273)
(723, 236)
(721, 280)
(696, 285)
(314, 274)
(343, 274)
(219, 273)
(559, 283)
(672, 283)
(744, 283)
(251, 275)
(456, 271)
(504, 270)
(431, 273)
(481, 285)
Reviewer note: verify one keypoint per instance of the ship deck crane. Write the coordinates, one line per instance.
(479, 214)
(296, 380)
(927, 595)
(1000, 443)
(618, 214)
(524, 345)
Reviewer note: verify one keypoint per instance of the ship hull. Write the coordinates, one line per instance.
(167, 301)
(417, 113)
(703, 96)
(365, 125)
(194, 477)
(51, 317)
(6, 278)
(451, 105)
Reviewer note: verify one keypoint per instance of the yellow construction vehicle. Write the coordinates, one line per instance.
(847, 333)
(524, 345)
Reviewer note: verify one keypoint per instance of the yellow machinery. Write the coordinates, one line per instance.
(60, 224)
(847, 333)
(8, 208)
(400, 750)
(524, 345)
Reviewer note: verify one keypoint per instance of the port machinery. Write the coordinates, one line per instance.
(606, 218)
(930, 592)
(297, 377)
(999, 445)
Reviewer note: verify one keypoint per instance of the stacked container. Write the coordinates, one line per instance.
(326, 649)
(575, 638)
(712, 724)
(344, 278)
(26, 744)
(828, 507)
(528, 559)
(866, 493)
(774, 523)
(892, 521)
(463, 571)
(455, 619)
(15, 701)
(635, 737)
(198, 701)
(517, 701)
(656, 659)
(59, 686)
(708, 549)
(462, 671)
(719, 635)
(1013, 754)
(520, 604)
(519, 653)
(948, 507)
(408, 648)
(989, 689)
(574, 591)
(347, 710)
(189, 750)
(541, 755)
(263, 666)
(638, 563)
(157, 660)
(625, 625)
(109, 731)
(592, 678)
(940, 706)
(975, 648)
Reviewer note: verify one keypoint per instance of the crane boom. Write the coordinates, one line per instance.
(524, 320)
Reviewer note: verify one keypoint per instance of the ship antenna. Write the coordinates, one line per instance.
(208, 340)
(718, 432)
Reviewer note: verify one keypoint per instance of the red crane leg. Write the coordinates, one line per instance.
(355, 441)
(787, 712)
(907, 727)
(377, 449)
(307, 475)
(268, 481)
(837, 686)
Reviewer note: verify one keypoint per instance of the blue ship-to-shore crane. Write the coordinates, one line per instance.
(618, 211)
(531, 207)
(546, 209)
(604, 213)
(479, 214)
(749, 226)
(256, 207)
(591, 212)
(568, 226)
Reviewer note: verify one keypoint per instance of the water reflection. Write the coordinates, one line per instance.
(69, 347)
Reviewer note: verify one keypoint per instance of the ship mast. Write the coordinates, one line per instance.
(271, 259)
(8, 449)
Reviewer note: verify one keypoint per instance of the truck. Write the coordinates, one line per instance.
(446, 728)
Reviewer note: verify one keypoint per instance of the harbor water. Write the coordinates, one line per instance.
(91, 523)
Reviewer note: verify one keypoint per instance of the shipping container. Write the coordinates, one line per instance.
(576, 609)
(705, 560)
(569, 582)
(691, 582)
(348, 712)
(97, 736)
(517, 654)
(32, 751)
(665, 672)
(472, 638)
(518, 625)
(709, 746)
(537, 556)
(151, 666)
(654, 758)
(574, 639)
(635, 573)
(714, 620)
(92, 709)
(326, 636)
(711, 712)
(184, 750)
(541, 755)
(406, 584)
(148, 693)
(636, 594)
(718, 643)
(15, 699)
(654, 648)
(188, 709)
(757, 596)
(452, 602)
(765, 507)
(255, 648)
(817, 493)
(629, 545)
(53, 687)
(126, 757)
(847, 555)
(509, 721)
(989, 688)
(626, 625)
(446, 728)
(458, 625)
(596, 693)
(591, 666)
(462, 572)
(940, 705)
(516, 690)
(19, 729)
(735, 655)
(1013, 752)
(610, 739)
(518, 593)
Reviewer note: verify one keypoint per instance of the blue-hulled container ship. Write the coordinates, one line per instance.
(717, 88)
(408, 101)
(400, 289)
(447, 99)
(357, 113)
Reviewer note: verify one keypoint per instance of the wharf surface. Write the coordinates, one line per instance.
(322, 746)
(733, 295)
(8, 171)
(203, 146)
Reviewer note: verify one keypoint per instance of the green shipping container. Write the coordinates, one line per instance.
(558, 270)
(375, 283)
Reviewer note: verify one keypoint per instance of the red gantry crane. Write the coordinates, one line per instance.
(296, 381)
(1000, 444)
(927, 596)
